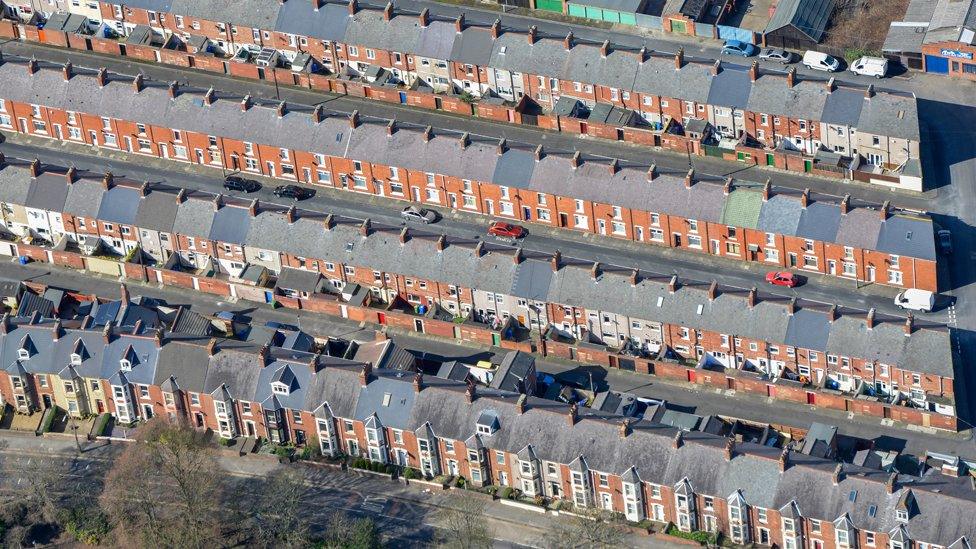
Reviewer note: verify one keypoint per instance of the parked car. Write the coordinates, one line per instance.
(237, 183)
(782, 278)
(776, 54)
(293, 191)
(916, 300)
(413, 213)
(506, 230)
(870, 66)
(738, 47)
(820, 61)
(945, 241)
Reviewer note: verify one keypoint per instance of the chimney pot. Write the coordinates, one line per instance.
(246, 104)
(102, 77)
(784, 460)
(418, 382)
(595, 270)
(673, 284)
(838, 474)
(754, 71)
(751, 298)
(791, 77)
(717, 67)
(391, 127)
(568, 41)
(642, 55)
(870, 318)
(32, 66)
(70, 174)
(554, 262)
(252, 210)
(479, 248)
(364, 227)
(727, 187)
(652, 172)
(517, 257)
(576, 160)
(465, 140)
(441, 243)
(388, 11)
(832, 313)
(212, 346)
(884, 210)
(538, 153)
(520, 404)
(830, 85)
(767, 190)
(172, 90)
(181, 196)
(354, 119)
(35, 167)
(713, 290)
(318, 114)
(605, 49)
(690, 178)
(531, 35)
(845, 204)
(614, 166)
(678, 440)
(404, 235)
(624, 428)
(634, 277)
(280, 109)
(66, 71)
(502, 146)
(137, 83)
(679, 59)
(869, 91)
(805, 198)
(496, 28)
(290, 214)
(909, 324)
(428, 133)
(425, 18)
(459, 23)
(328, 222)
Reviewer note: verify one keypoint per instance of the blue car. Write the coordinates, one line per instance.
(737, 47)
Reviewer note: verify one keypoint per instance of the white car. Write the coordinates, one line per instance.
(870, 66)
(820, 61)
(916, 300)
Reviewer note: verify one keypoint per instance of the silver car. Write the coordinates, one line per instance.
(413, 213)
(776, 54)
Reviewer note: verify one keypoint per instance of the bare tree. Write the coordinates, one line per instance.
(278, 520)
(40, 492)
(165, 489)
(590, 529)
(341, 532)
(463, 524)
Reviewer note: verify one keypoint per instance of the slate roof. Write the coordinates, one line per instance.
(47, 192)
(298, 280)
(119, 205)
(730, 87)
(807, 16)
(513, 372)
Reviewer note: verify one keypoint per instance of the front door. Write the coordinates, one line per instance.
(677, 240)
(47, 401)
(870, 274)
(792, 259)
(832, 267)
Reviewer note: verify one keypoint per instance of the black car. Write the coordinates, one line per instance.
(293, 191)
(236, 183)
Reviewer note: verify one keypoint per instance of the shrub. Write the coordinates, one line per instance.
(282, 451)
(704, 538)
(87, 525)
(539, 500)
(410, 473)
(491, 490)
(228, 442)
(460, 482)
(505, 492)
(48, 420)
(101, 424)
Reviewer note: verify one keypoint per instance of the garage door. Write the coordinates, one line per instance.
(936, 64)
(549, 5)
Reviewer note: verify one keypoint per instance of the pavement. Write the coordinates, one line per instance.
(690, 398)
(407, 515)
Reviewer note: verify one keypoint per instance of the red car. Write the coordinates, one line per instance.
(506, 230)
(782, 278)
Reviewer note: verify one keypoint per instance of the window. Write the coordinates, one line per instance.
(901, 515)
(869, 539)
(500, 457)
(246, 408)
(194, 399)
(761, 515)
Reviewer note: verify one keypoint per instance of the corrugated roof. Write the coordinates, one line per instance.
(807, 16)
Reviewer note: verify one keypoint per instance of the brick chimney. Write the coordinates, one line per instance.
(32, 66)
(496, 28)
(784, 460)
(418, 382)
(870, 318)
(729, 449)
(35, 167)
(869, 91)
(424, 18)
(144, 189)
(595, 270)
(56, 328)
(404, 235)
(441, 243)
(531, 35)
(479, 248)
(605, 49)
(909, 324)
(652, 172)
(368, 371)
(470, 392)
(218, 201)
(805, 198)
(539, 153)
(791, 306)
(264, 352)
(102, 77)
(634, 277)
(767, 190)
(576, 160)
(624, 428)
(727, 187)
(364, 227)
(845, 204)
(502, 146)
(832, 313)
(172, 90)
(246, 104)
(290, 214)
(3, 159)
(181, 196)
(157, 336)
(713, 290)
(838, 474)
(613, 167)
(568, 41)
(208, 98)
(642, 55)
(107, 332)
(690, 178)
(464, 140)
(316, 4)
(388, 11)
(354, 119)
(791, 77)
(679, 59)
(754, 71)
(459, 24)
(572, 414)
(212, 347)
(830, 85)
(108, 180)
(884, 210)
(428, 134)
(329, 222)
(280, 109)
(391, 127)
(138, 83)
(252, 210)
(891, 483)
(353, 7)
(519, 404)
(517, 256)
(717, 67)
(554, 261)
(66, 71)
(751, 297)
(673, 284)
(678, 440)
(69, 175)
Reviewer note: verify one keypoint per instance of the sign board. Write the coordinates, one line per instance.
(958, 54)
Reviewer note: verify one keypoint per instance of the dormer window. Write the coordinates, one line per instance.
(279, 388)
(901, 515)
(75, 359)
(125, 365)
(23, 354)
(487, 423)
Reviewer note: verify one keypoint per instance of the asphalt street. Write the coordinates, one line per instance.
(690, 398)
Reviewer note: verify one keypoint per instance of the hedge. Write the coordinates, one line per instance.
(101, 423)
(704, 538)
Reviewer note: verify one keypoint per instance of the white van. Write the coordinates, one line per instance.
(870, 66)
(820, 61)
(916, 300)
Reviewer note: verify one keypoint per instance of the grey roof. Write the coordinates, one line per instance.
(890, 115)
(299, 280)
(31, 303)
(514, 169)
(157, 211)
(185, 362)
(908, 236)
(532, 280)
(819, 221)
(730, 87)
(807, 16)
(230, 224)
(513, 372)
(47, 192)
(843, 107)
(258, 14)
(472, 47)
(454, 370)
(389, 397)
(780, 215)
(119, 205)
(808, 330)
(328, 23)
(14, 187)
(194, 217)
(190, 323)
(66, 22)
(84, 198)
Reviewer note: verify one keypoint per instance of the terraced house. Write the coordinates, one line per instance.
(731, 219)
(698, 481)
(740, 335)
(874, 134)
